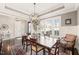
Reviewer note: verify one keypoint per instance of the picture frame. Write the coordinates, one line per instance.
(68, 21)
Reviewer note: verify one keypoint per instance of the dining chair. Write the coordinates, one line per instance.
(68, 42)
(35, 47)
(25, 42)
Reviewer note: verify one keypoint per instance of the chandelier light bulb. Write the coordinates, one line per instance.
(34, 17)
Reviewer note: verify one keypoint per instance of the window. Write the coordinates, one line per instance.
(51, 24)
(18, 28)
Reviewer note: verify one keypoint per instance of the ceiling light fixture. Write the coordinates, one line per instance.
(34, 17)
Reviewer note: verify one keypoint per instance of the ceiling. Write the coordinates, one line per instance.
(28, 8)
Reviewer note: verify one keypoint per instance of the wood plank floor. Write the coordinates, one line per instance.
(17, 47)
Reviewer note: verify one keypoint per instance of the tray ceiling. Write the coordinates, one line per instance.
(28, 8)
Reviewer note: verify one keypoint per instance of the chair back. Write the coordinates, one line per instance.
(33, 40)
(24, 39)
(70, 37)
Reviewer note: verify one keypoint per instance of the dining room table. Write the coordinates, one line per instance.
(46, 42)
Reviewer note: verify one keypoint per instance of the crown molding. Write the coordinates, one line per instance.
(9, 8)
(53, 10)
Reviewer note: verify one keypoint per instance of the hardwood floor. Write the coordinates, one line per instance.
(17, 49)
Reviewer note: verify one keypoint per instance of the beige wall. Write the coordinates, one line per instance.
(77, 42)
(9, 21)
(68, 30)
(73, 28)
(70, 15)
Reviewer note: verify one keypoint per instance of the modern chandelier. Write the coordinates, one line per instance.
(34, 17)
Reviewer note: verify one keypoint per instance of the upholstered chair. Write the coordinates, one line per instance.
(68, 42)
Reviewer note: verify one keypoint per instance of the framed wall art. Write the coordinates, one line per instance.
(68, 21)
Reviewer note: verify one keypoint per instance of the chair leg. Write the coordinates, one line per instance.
(36, 50)
(31, 49)
(0, 51)
(58, 50)
(23, 46)
(26, 48)
(36, 53)
(43, 51)
(49, 51)
(72, 51)
(55, 50)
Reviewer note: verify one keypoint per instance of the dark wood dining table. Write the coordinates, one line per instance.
(46, 42)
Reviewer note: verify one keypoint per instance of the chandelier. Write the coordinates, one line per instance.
(34, 17)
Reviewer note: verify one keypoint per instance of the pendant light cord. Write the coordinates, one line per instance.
(34, 8)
